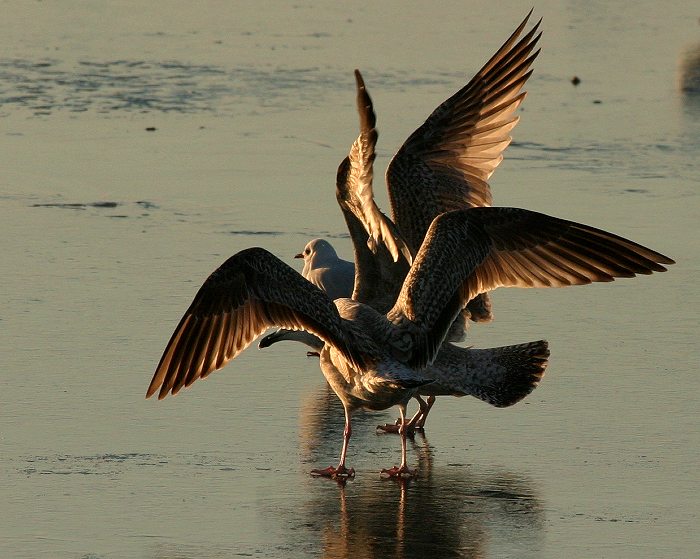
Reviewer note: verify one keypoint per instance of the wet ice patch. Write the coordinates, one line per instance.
(47, 86)
(100, 464)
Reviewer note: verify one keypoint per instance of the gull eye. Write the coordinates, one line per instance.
(307, 251)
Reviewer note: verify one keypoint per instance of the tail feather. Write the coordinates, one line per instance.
(501, 376)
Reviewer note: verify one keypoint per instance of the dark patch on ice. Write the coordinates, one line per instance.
(99, 464)
(106, 87)
(76, 205)
(147, 205)
(102, 205)
(255, 233)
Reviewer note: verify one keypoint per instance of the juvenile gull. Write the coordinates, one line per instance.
(377, 360)
(499, 376)
(445, 164)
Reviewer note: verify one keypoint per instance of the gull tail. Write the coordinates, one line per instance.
(501, 376)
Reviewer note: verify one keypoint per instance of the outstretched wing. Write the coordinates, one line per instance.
(251, 292)
(467, 252)
(354, 183)
(444, 164)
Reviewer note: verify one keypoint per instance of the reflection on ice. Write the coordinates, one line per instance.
(446, 511)
(110, 87)
(321, 424)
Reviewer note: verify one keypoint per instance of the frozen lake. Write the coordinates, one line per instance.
(109, 228)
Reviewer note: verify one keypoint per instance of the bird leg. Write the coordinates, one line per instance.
(402, 471)
(418, 420)
(340, 471)
(416, 423)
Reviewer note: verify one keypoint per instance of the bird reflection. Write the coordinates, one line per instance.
(445, 511)
(321, 424)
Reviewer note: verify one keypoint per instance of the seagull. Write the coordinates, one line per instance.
(373, 360)
(326, 270)
(499, 376)
(444, 165)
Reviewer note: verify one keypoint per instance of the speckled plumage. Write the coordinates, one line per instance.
(500, 376)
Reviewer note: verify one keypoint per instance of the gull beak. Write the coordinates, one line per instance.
(300, 255)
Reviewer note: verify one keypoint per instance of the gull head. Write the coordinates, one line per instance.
(318, 253)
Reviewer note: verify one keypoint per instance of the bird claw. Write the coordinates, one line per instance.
(398, 472)
(334, 473)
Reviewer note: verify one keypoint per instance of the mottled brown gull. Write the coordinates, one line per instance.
(500, 376)
(445, 164)
(374, 360)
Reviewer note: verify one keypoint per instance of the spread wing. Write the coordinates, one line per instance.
(354, 183)
(444, 164)
(467, 252)
(251, 292)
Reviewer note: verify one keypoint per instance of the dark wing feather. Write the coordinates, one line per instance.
(467, 252)
(354, 183)
(251, 292)
(444, 164)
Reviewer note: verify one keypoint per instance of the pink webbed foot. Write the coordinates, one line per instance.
(398, 472)
(395, 428)
(341, 472)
